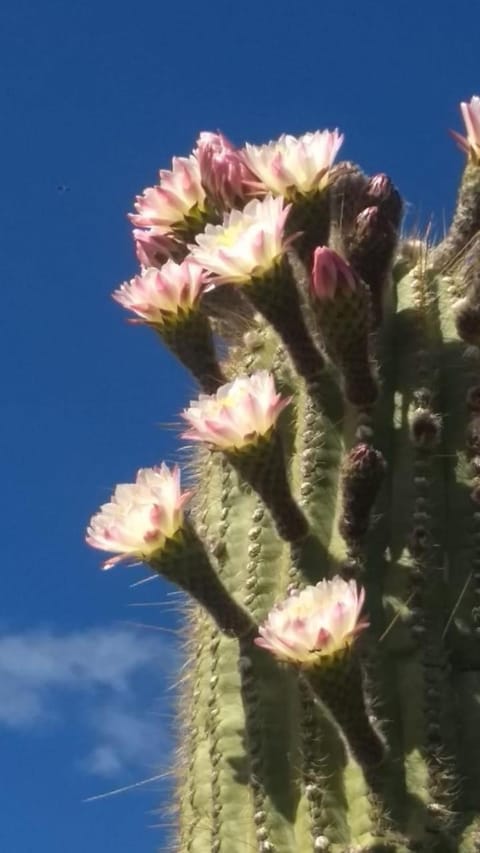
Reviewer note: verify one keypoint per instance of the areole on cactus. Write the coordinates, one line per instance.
(330, 551)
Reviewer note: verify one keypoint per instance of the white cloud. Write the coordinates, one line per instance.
(127, 739)
(115, 677)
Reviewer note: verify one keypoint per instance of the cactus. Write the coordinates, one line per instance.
(363, 481)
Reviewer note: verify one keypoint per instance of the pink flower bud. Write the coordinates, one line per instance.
(224, 173)
(367, 220)
(379, 186)
(380, 191)
(330, 273)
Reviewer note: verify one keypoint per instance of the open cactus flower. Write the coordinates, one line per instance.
(165, 295)
(239, 415)
(249, 251)
(168, 300)
(314, 629)
(298, 168)
(177, 204)
(248, 245)
(141, 516)
(294, 166)
(145, 522)
(240, 420)
(313, 625)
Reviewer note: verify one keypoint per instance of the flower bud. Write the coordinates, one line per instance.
(331, 274)
(380, 191)
(363, 472)
(342, 309)
(225, 176)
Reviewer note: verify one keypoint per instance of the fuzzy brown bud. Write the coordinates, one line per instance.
(363, 472)
(381, 191)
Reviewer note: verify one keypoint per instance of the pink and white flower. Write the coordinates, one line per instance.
(178, 196)
(153, 249)
(238, 414)
(331, 274)
(248, 244)
(140, 517)
(225, 175)
(295, 165)
(315, 623)
(471, 118)
(159, 295)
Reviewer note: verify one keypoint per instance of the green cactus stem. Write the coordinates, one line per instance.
(262, 466)
(184, 561)
(277, 298)
(190, 340)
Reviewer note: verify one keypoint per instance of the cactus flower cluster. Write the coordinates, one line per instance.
(328, 549)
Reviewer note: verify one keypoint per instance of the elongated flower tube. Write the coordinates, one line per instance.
(177, 204)
(240, 420)
(249, 251)
(341, 304)
(225, 175)
(144, 522)
(471, 117)
(297, 168)
(168, 300)
(314, 630)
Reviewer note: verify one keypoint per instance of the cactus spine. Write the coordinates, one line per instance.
(381, 446)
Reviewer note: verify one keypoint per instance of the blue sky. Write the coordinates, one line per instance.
(96, 97)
